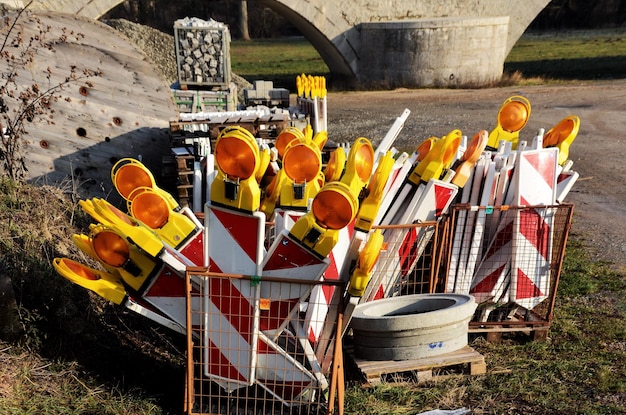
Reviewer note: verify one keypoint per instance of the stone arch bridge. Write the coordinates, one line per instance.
(392, 43)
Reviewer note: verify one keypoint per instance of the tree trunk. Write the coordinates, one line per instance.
(243, 20)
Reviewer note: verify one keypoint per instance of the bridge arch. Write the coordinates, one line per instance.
(396, 42)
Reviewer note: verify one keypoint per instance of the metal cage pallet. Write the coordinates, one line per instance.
(512, 268)
(277, 352)
(271, 356)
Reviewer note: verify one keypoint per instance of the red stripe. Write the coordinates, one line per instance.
(219, 365)
(502, 238)
(290, 255)
(526, 288)
(194, 250)
(232, 304)
(442, 198)
(243, 230)
(487, 284)
(543, 164)
(536, 231)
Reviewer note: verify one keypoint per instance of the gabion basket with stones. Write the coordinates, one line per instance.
(202, 54)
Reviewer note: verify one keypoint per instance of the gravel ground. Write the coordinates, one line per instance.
(600, 211)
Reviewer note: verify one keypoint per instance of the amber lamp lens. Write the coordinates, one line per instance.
(284, 138)
(513, 116)
(235, 157)
(559, 133)
(151, 209)
(332, 209)
(424, 148)
(81, 271)
(301, 163)
(364, 162)
(111, 248)
(129, 177)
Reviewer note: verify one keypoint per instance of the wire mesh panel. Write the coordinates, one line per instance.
(509, 258)
(408, 263)
(266, 356)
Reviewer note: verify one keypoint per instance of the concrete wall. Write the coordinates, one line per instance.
(444, 52)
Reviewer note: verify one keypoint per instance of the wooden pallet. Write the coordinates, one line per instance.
(462, 361)
(495, 332)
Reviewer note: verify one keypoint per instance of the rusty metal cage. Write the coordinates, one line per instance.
(409, 262)
(266, 356)
(510, 259)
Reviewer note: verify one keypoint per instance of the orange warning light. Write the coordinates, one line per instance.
(81, 271)
(111, 248)
(235, 157)
(149, 208)
(302, 162)
(285, 137)
(334, 206)
(514, 114)
(127, 175)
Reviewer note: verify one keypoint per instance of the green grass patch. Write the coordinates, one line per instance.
(536, 58)
(277, 60)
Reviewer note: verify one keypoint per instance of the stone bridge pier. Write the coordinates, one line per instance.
(392, 43)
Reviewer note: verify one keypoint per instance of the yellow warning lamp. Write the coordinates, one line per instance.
(465, 166)
(320, 139)
(119, 257)
(562, 135)
(237, 160)
(106, 285)
(302, 165)
(335, 166)
(128, 174)
(300, 85)
(333, 208)
(286, 136)
(424, 147)
(265, 157)
(149, 207)
(367, 259)
(360, 165)
(512, 117)
(375, 191)
(438, 159)
(133, 230)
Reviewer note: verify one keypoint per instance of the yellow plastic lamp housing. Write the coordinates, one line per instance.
(172, 227)
(237, 159)
(368, 208)
(320, 139)
(285, 137)
(367, 259)
(475, 148)
(102, 283)
(438, 159)
(512, 117)
(302, 165)
(562, 135)
(129, 174)
(514, 114)
(360, 165)
(119, 257)
(335, 166)
(424, 147)
(332, 209)
(113, 218)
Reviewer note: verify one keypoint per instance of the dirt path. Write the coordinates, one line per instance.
(599, 195)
